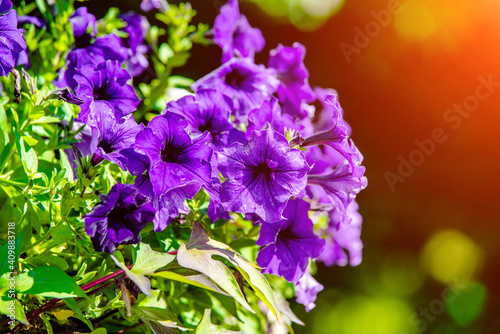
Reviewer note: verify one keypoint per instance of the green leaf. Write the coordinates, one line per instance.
(467, 304)
(204, 247)
(155, 311)
(46, 120)
(28, 156)
(65, 164)
(201, 260)
(6, 307)
(100, 330)
(206, 327)
(139, 279)
(73, 305)
(4, 125)
(36, 113)
(50, 282)
(61, 233)
(47, 260)
(165, 52)
(200, 280)
(147, 261)
(8, 263)
(30, 140)
(164, 327)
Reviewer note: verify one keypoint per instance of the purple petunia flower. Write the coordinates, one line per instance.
(106, 81)
(109, 135)
(12, 42)
(176, 157)
(262, 175)
(289, 243)
(306, 291)
(147, 5)
(118, 219)
(5, 6)
(344, 232)
(270, 113)
(87, 50)
(81, 22)
(137, 164)
(234, 35)
(208, 111)
(248, 84)
(167, 205)
(137, 28)
(337, 137)
(327, 116)
(341, 185)
(36, 21)
(294, 90)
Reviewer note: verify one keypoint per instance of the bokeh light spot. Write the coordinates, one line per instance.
(467, 305)
(400, 273)
(415, 22)
(451, 255)
(366, 315)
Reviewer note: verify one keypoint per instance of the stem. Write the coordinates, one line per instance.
(131, 327)
(19, 184)
(104, 279)
(104, 316)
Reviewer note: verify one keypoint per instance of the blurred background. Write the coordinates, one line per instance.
(419, 81)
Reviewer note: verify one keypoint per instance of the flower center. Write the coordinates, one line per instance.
(170, 152)
(286, 234)
(83, 41)
(235, 79)
(117, 215)
(101, 93)
(106, 146)
(263, 169)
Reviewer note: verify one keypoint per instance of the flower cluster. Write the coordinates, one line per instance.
(257, 139)
(281, 159)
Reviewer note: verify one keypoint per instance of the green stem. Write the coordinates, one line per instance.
(19, 184)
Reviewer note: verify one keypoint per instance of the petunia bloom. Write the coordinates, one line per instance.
(294, 90)
(262, 175)
(5, 6)
(147, 5)
(234, 35)
(110, 135)
(12, 43)
(337, 137)
(248, 84)
(118, 219)
(208, 111)
(306, 291)
(87, 49)
(343, 236)
(137, 28)
(106, 81)
(84, 24)
(167, 205)
(137, 164)
(176, 157)
(270, 113)
(341, 185)
(325, 118)
(289, 243)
